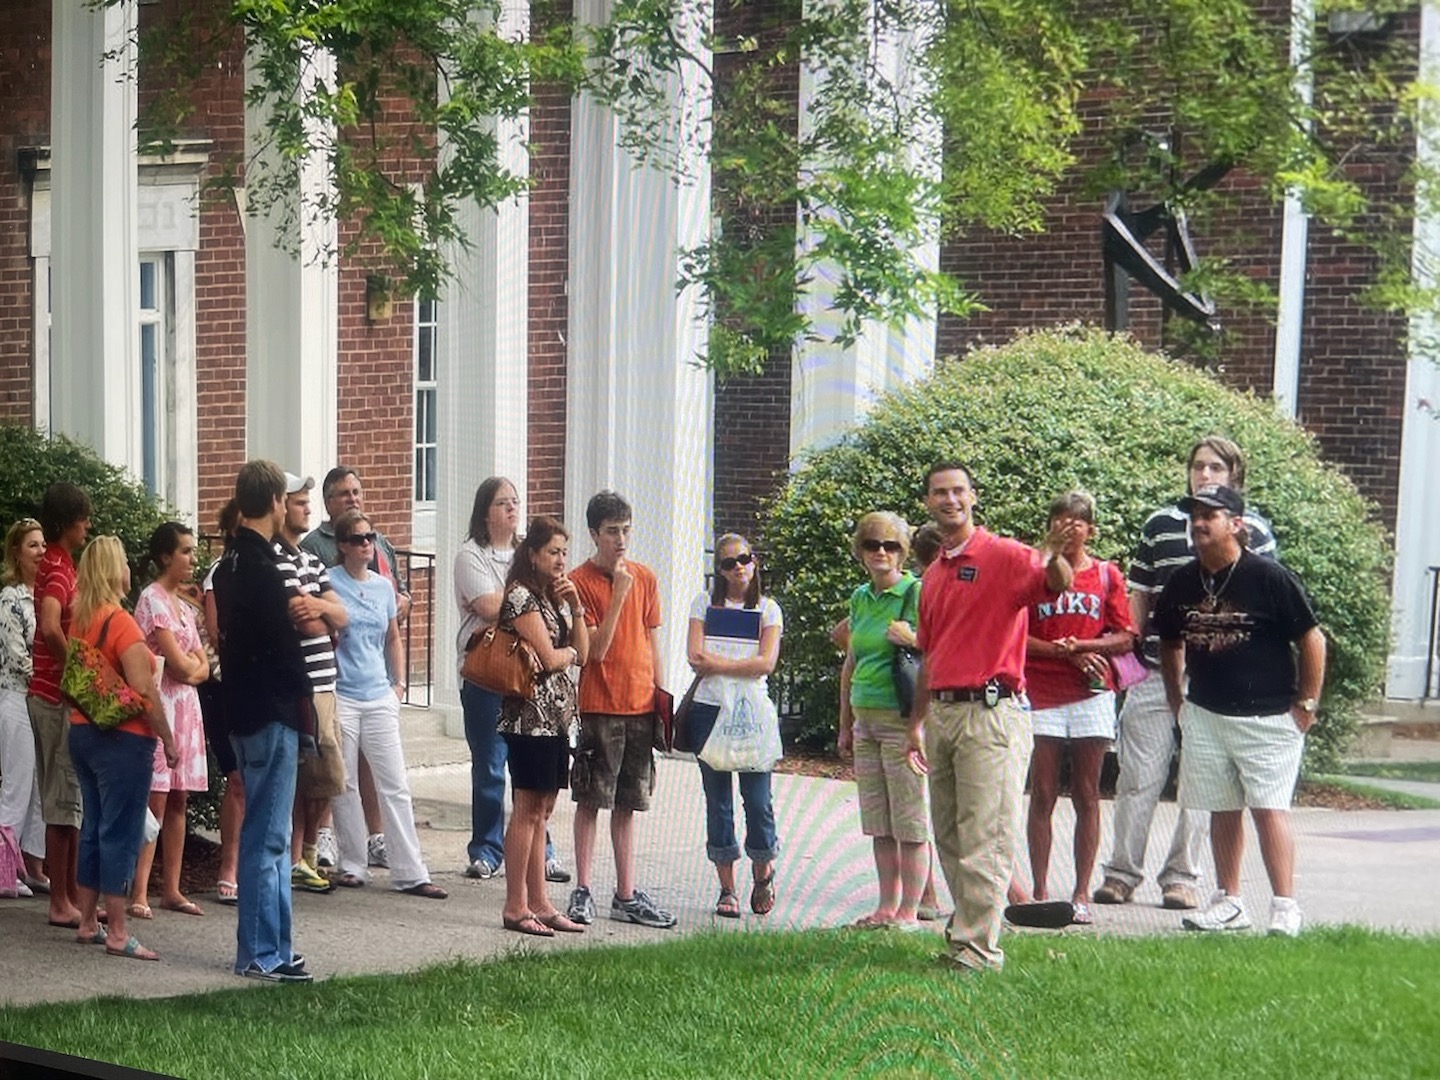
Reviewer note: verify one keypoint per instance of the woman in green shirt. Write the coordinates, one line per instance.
(889, 761)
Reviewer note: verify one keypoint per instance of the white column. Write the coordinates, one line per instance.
(1290, 315)
(292, 311)
(1417, 525)
(638, 407)
(94, 377)
(832, 385)
(483, 378)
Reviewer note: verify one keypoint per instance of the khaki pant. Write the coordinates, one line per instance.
(978, 758)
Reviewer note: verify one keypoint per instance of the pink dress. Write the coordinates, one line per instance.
(157, 610)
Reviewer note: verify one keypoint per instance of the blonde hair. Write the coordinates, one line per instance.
(881, 525)
(100, 580)
(13, 538)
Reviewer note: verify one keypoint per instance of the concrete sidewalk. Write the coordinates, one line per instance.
(1376, 868)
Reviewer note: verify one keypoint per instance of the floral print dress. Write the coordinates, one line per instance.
(157, 610)
(554, 709)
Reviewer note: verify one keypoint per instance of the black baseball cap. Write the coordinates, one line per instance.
(1217, 496)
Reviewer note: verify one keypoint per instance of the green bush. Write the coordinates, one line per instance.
(1079, 408)
(31, 461)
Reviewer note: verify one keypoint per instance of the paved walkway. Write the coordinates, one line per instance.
(1377, 868)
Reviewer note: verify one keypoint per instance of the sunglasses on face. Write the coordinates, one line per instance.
(893, 547)
(356, 539)
(732, 561)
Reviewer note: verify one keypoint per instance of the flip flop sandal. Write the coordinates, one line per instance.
(426, 889)
(98, 938)
(561, 922)
(187, 907)
(1082, 916)
(227, 892)
(762, 896)
(728, 906)
(527, 924)
(133, 950)
(349, 881)
(869, 922)
(139, 911)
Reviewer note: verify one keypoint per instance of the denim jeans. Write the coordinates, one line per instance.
(267, 761)
(114, 770)
(487, 777)
(761, 843)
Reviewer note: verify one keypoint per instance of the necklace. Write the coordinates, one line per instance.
(1214, 592)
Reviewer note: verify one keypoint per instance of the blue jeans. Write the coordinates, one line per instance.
(487, 777)
(761, 843)
(114, 770)
(267, 761)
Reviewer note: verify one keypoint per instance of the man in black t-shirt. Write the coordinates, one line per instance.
(1236, 625)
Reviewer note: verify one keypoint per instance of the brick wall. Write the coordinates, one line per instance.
(752, 412)
(549, 309)
(25, 109)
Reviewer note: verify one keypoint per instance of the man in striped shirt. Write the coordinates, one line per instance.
(1147, 725)
(319, 614)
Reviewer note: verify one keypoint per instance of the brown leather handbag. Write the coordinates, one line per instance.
(499, 661)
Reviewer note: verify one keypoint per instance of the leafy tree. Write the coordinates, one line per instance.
(1059, 410)
(996, 87)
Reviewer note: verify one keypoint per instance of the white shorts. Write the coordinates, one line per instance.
(1092, 718)
(1231, 762)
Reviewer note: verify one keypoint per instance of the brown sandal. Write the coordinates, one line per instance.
(527, 924)
(728, 906)
(559, 921)
(762, 896)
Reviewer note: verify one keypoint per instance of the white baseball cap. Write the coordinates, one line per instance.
(294, 483)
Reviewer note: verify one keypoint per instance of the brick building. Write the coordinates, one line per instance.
(561, 355)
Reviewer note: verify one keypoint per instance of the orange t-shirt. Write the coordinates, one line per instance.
(124, 631)
(624, 683)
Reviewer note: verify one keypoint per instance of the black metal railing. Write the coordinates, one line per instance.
(417, 576)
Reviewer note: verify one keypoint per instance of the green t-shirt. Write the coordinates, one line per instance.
(872, 686)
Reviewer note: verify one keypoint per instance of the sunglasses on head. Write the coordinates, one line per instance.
(732, 561)
(894, 547)
(356, 539)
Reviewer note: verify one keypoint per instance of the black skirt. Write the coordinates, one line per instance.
(538, 762)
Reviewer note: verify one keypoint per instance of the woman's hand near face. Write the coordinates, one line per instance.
(565, 592)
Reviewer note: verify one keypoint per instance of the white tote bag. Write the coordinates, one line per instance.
(746, 736)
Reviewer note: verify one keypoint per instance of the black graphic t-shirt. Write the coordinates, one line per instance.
(1238, 634)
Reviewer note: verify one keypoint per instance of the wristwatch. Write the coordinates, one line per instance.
(1308, 704)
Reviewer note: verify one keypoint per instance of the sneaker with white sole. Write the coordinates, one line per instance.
(1224, 913)
(375, 851)
(327, 852)
(555, 871)
(1285, 917)
(481, 868)
(304, 876)
(582, 906)
(641, 909)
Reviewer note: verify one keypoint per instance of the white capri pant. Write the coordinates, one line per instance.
(19, 786)
(374, 727)
(1231, 762)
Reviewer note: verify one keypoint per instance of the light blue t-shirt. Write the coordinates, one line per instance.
(360, 652)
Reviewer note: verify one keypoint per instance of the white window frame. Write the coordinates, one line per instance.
(423, 510)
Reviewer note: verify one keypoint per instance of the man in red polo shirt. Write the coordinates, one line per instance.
(65, 519)
(974, 605)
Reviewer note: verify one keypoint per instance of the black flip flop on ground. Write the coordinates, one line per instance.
(1041, 914)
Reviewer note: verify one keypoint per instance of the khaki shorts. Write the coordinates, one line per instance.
(59, 789)
(614, 768)
(892, 796)
(323, 777)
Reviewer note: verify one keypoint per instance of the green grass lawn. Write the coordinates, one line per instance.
(1335, 1003)
(1396, 770)
(1395, 800)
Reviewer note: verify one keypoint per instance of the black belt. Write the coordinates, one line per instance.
(967, 694)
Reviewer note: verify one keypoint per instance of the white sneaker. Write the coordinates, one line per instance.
(1285, 917)
(326, 851)
(375, 851)
(1224, 913)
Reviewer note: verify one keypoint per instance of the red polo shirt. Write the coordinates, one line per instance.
(55, 578)
(975, 612)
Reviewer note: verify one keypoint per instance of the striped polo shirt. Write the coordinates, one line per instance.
(1165, 546)
(306, 576)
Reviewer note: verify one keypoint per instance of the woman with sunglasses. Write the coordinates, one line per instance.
(887, 747)
(370, 679)
(735, 633)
